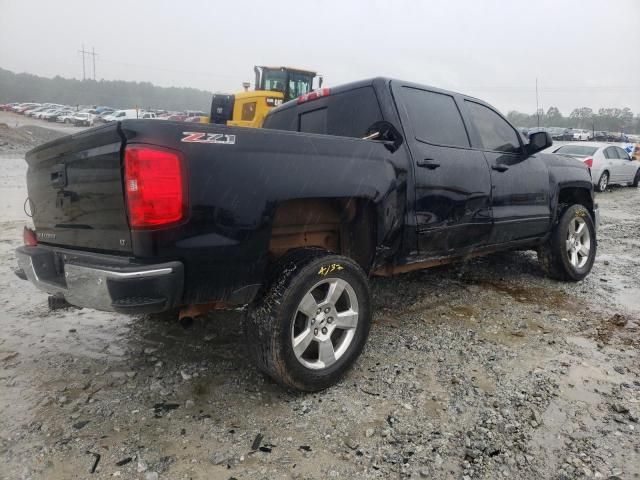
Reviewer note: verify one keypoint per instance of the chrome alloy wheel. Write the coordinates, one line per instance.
(578, 242)
(604, 182)
(325, 323)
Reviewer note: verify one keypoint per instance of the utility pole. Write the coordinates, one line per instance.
(94, 55)
(83, 71)
(537, 107)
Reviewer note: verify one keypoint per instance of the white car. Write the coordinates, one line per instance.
(42, 113)
(32, 110)
(146, 115)
(121, 115)
(67, 117)
(583, 135)
(609, 164)
(83, 119)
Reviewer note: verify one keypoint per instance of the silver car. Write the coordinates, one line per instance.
(609, 164)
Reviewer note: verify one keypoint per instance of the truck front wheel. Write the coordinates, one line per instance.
(311, 323)
(569, 252)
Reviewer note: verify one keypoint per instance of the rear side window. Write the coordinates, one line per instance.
(610, 153)
(314, 121)
(345, 114)
(435, 118)
(495, 133)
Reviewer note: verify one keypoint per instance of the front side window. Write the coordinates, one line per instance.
(434, 117)
(495, 132)
(622, 153)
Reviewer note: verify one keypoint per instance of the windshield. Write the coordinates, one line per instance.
(274, 80)
(291, 84)
(577, 150)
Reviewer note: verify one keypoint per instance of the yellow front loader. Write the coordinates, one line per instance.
(273, 86)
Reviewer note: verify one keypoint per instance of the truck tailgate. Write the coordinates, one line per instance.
(76, 193)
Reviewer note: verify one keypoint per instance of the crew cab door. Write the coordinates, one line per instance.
(614, 165)
(452, 181)
(520, 182)
(627, 167)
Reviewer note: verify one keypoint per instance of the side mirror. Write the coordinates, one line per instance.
(385, 132)
(538, 141)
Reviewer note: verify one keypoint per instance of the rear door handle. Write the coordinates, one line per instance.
(500, 168)
(428, 163)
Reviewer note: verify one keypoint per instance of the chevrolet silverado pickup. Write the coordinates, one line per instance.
(376, 177)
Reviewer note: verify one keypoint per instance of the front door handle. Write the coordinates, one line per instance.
(428, 163)
(500, 168)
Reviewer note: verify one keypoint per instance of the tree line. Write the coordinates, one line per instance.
(605, 119)
(24, 87)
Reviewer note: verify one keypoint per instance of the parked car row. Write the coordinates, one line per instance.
(579, 134)
(90, 115)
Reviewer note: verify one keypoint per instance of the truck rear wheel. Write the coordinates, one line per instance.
(570, 251)
(312, 321)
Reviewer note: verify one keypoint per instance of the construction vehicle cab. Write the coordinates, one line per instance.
(273, 86)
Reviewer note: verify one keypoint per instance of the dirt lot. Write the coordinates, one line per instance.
(480, 370)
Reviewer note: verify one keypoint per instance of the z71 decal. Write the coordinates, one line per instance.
(202, 137)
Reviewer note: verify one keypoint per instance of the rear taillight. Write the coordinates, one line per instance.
(588, 162)
(321, 92)
(155, 186)
(29, 237)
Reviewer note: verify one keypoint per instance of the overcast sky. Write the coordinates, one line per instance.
(583, 52)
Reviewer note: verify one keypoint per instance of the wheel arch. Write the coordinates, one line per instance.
(343, 225)
(574, 194)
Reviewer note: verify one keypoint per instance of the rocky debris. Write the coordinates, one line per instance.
(163, 407)
(124, 461)
(257, 442)
(81, 424)
(25, 137)
(619, 407)
(618, 320)
(96, 460)
(218, 458)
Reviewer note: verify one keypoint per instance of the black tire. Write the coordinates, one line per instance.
(271, 320)
(636, 179)
(553, 254)
(603, 182)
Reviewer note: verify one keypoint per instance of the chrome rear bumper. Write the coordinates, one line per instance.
(102, 282)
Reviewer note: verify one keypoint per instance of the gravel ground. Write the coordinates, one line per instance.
(480, 370)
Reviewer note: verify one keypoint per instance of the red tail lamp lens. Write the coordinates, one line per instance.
(154, 186)
(29, 237)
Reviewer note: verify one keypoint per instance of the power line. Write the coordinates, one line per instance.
(165, 69)
(93, 55)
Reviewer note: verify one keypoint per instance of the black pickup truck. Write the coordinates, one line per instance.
(376, 177)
